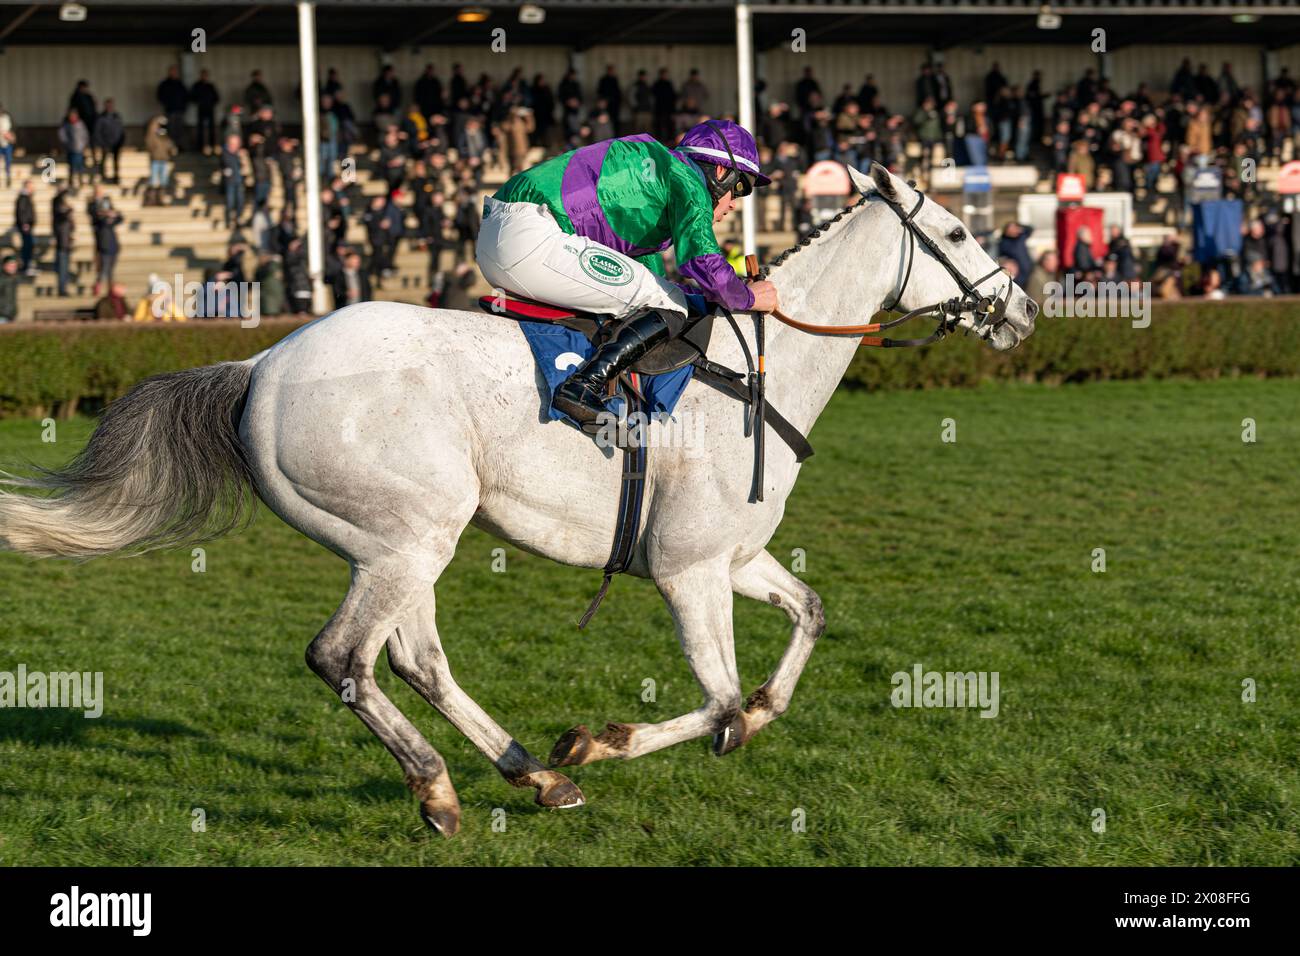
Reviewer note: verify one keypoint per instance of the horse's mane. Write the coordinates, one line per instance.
(807, 238)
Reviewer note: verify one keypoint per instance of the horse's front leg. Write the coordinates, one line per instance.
(764, 579)
(700, 601)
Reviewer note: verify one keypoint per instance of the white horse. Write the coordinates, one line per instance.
(382, 430)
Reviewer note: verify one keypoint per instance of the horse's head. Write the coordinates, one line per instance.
(930, 281)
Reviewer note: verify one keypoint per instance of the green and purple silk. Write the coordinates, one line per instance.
(637, 197)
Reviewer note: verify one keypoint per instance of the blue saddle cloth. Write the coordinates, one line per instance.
(559, 350)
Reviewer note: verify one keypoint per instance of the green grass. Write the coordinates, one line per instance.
(1120, 691)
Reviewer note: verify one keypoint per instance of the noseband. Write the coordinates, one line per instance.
(990, 312)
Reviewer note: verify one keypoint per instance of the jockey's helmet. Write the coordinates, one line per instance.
(727, 144)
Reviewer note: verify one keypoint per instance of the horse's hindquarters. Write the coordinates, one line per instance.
(356, 436)
(384, 428)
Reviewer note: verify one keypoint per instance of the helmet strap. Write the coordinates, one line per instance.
(717, 187)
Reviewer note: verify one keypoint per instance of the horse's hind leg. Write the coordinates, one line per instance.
(415, 654)
(764, 579)
(343, 655)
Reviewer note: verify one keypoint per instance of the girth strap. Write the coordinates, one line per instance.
(631, 496)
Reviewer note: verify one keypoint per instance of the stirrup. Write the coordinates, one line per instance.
(586, 389)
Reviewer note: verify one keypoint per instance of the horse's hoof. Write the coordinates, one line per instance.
(731, 737)
(560, 793)
(443, 822)
(572, 748)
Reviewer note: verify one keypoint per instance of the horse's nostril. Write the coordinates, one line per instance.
(1031, 308)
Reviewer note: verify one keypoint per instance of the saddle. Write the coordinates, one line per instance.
(687, 349)
(597, 327)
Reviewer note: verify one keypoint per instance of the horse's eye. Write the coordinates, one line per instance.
(957, 235)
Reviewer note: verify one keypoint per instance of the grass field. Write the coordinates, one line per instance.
(1119, 690)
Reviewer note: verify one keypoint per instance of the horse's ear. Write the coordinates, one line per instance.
(884, 181)
(865, 184)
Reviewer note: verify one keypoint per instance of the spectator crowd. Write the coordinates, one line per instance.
(430, 140)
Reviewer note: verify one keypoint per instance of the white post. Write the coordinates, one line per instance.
(320, 303)
(745, 114)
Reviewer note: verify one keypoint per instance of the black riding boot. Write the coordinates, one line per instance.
(582, 395)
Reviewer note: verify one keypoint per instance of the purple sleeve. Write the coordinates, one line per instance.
(718, 281)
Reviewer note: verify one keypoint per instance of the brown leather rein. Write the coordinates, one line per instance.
(863, 330)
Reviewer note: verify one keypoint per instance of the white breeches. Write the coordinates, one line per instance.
(522, 249)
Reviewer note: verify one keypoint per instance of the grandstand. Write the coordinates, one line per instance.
(186, 237)
(843, 42)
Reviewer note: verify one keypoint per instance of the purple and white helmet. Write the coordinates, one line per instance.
(727, 144)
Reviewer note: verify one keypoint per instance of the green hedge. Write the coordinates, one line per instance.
(1198, 339)
(56, 369)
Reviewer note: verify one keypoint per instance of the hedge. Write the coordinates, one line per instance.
(1195, 339)
(58, 369)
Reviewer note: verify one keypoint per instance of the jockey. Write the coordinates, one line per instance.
(586, 230)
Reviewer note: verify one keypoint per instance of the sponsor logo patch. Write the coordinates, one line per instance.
(605, 268)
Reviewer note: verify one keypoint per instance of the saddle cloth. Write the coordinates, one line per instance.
(559, 349)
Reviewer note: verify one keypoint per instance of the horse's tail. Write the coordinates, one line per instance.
(164, 466)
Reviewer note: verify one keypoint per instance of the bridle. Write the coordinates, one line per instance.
(990, 312)
(751, 388)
